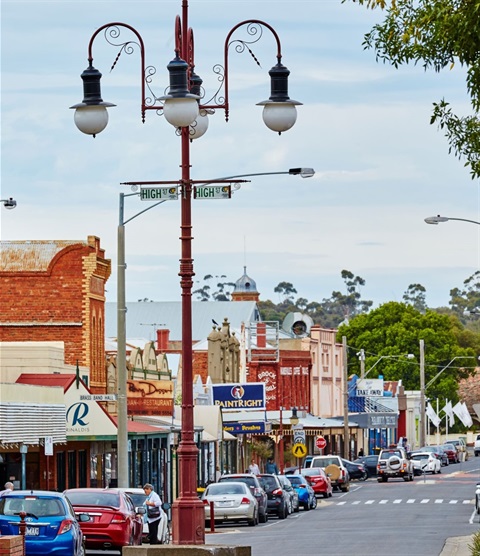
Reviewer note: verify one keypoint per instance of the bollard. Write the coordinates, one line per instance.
(212, 517)
(22, 527)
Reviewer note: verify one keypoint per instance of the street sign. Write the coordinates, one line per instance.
(158, 193)
(48, 445)
(320, 442)
(299, 437)
(213, 192)
(299, 450)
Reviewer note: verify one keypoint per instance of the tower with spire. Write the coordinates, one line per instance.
(245, 288)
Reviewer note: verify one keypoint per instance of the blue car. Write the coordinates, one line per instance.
(51, 525)
(306, 495)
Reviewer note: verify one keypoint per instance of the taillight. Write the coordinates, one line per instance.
(65, 526)
(277, 492)
(302, 486)
(245, 500)
(205, 502)
(118, 518)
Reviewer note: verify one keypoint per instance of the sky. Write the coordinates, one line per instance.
(381, 168)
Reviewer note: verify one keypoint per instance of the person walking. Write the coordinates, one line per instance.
(8, 488)
(153, 515)
(271, 467)
(253, 468)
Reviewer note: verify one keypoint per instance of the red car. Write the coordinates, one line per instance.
(451, 452)
(114, 521)
(319, 481)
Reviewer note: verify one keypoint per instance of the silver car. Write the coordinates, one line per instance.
(232, 501)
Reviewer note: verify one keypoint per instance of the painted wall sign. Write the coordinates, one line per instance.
(150, 397)
(259, 427)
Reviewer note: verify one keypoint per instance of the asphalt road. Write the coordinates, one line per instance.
(396, 519)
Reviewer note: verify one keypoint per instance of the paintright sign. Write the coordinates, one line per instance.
(240, 397)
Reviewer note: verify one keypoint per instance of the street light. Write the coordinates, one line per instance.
(182, 106)
(361, 355)
(9, 203)
(122, 410)
(437, 219)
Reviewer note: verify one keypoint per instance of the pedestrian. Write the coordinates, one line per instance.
(8, 488)
(360, 453)
(218, 474)
(253, 468)
(406, 445)
(153, 515)
(271, 467)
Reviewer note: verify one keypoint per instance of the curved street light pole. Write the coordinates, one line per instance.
(407, 355)
(437, 219)
(9, 203)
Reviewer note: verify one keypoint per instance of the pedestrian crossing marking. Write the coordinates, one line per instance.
(383, 502)
(411, 501)
(439, 501)
(400, 501)
(425, 501)
(453, 501)
(370, 502)
(356, 502)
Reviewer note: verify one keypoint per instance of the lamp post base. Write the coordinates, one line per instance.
(188, 519)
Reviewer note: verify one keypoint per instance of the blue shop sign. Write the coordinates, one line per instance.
(258, 427)
(240, 397)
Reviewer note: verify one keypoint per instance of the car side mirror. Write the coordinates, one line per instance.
(140, 510)
(166, 506)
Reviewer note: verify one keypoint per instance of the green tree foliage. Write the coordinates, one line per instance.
(222, 293)
(438, 34)
(395, 329)
(286, 290)
(416, 297)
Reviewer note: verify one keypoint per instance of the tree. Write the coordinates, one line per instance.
(286, 290)
(397, 328)
(438, 34)
(416, 297)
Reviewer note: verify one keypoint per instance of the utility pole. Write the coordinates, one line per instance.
(346, 430)
(361, 356)
(422, 393)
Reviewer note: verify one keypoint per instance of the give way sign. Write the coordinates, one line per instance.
(320, 442)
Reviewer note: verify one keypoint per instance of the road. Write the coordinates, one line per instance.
(394, 519)
(386, 519)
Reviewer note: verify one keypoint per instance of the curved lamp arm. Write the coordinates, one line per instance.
(437, 219)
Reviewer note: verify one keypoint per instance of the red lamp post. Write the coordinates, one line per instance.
(183, 108)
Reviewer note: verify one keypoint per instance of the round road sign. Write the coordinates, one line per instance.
(320, 442)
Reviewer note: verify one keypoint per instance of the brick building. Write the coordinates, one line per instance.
(55, 291)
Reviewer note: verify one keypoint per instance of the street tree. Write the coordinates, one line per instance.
(439, 34)
(396, 329)
(415, 295)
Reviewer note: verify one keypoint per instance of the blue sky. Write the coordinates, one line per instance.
(364, 127)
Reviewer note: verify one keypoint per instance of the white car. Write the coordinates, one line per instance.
(425, 462)
(138, 496)
(232, 501)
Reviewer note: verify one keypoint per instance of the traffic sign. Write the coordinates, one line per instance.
(299, 450)
(158, 193)
(299, 437)
(213, 192)
(320, 442)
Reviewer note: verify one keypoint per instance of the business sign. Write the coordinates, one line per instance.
(213, 192)
(158, 193)
(368, 387)
(240, 397)
(98, 397)
(150, 397)
(259, 427)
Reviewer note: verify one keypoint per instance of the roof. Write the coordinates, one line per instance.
(145, 318)
(137, 427)
(18, 256)
(39, 379)
(245, 284)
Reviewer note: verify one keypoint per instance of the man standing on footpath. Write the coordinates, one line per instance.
(8, 488)
(253, 468)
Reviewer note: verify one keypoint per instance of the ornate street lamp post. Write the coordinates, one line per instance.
(182, 107)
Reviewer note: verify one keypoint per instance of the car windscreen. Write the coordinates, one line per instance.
(80, 498)
(326, 461)
(268, 483)
(296, 479)
(250, 481)
(225, 488)
(37, 506)
(312, 472)
(419, 457)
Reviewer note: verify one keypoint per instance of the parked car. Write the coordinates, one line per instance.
(477, 498)
(294, 505)
(232, 501)
(438, 451)
(451, 452)
(425, 462)
(476, 445)
(319, 481)
(52, 527)
(113, 519)
(335, 469)
(278, 499)
(138, 497)
(306, 495)
(370, 463)
(355, 470)
(394, 463)
(254, 484)
(461, 447)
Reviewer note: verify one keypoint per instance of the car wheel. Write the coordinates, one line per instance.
(440, 470)
(253, 522)
(81, 550)
(325, 494)
(314, 503)
(330, 494)
(283, 512)
(345, 488)
(306, 506)
(263, 516)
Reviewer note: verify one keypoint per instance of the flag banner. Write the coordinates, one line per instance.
(434, 418)
(462, 413)
(449, 412)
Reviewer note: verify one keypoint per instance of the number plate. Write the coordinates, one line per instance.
(32, 531)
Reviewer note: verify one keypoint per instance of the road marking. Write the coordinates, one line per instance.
(453, 501)
(425, 501)
(356, 502)
(383, 502)
(411, 501)
(341, 503)
(439, 501)
(398, 501)
(370, 502)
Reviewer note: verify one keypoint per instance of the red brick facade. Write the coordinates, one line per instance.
(55, 291)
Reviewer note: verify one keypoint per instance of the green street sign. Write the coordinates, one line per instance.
(213, 192)
(158, 193)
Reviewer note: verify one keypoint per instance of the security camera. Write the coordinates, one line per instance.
(10, 203)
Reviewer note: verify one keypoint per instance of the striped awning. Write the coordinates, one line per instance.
(30, 423)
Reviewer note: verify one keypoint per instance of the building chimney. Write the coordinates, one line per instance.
(163, 337)
(261, 335)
